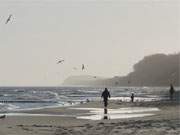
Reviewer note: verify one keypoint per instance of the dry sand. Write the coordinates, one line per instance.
(164, 122)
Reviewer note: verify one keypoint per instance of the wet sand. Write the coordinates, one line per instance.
(63, 121)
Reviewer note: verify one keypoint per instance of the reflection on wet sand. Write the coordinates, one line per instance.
(105, 113)
(102, 113)
(120, 113)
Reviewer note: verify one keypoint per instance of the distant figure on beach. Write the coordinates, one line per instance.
(132, 97)
(87, 100)
(105, 95)
(171, 91)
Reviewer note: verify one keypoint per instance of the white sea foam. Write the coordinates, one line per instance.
(12, 107)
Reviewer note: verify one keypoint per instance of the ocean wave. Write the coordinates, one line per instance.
(36, 97)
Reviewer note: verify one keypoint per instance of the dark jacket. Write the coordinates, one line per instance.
(105, 95)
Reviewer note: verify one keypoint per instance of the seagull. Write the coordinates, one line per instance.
(60, 61)
(83, 67)
(9, 18)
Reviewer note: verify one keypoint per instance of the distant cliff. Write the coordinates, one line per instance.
(153, 70)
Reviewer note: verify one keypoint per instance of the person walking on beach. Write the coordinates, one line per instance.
(132, 97)
(105, 95)
(171, 91)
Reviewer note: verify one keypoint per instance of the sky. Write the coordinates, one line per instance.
(107, 36)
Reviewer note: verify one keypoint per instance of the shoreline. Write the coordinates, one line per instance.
(166, 120)
(94, 104)
(114, 99)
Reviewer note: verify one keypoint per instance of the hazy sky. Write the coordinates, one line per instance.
(108, 36)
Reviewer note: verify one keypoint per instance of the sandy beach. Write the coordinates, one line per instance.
(65, 121)
(89, 67)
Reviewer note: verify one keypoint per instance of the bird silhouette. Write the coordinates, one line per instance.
(60, 61)
(83, 67)
(9, 18)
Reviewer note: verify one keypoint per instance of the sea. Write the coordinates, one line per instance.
(28, 98)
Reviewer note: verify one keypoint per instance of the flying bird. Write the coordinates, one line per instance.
(83, 67)
(60, 61)
(9, 18)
